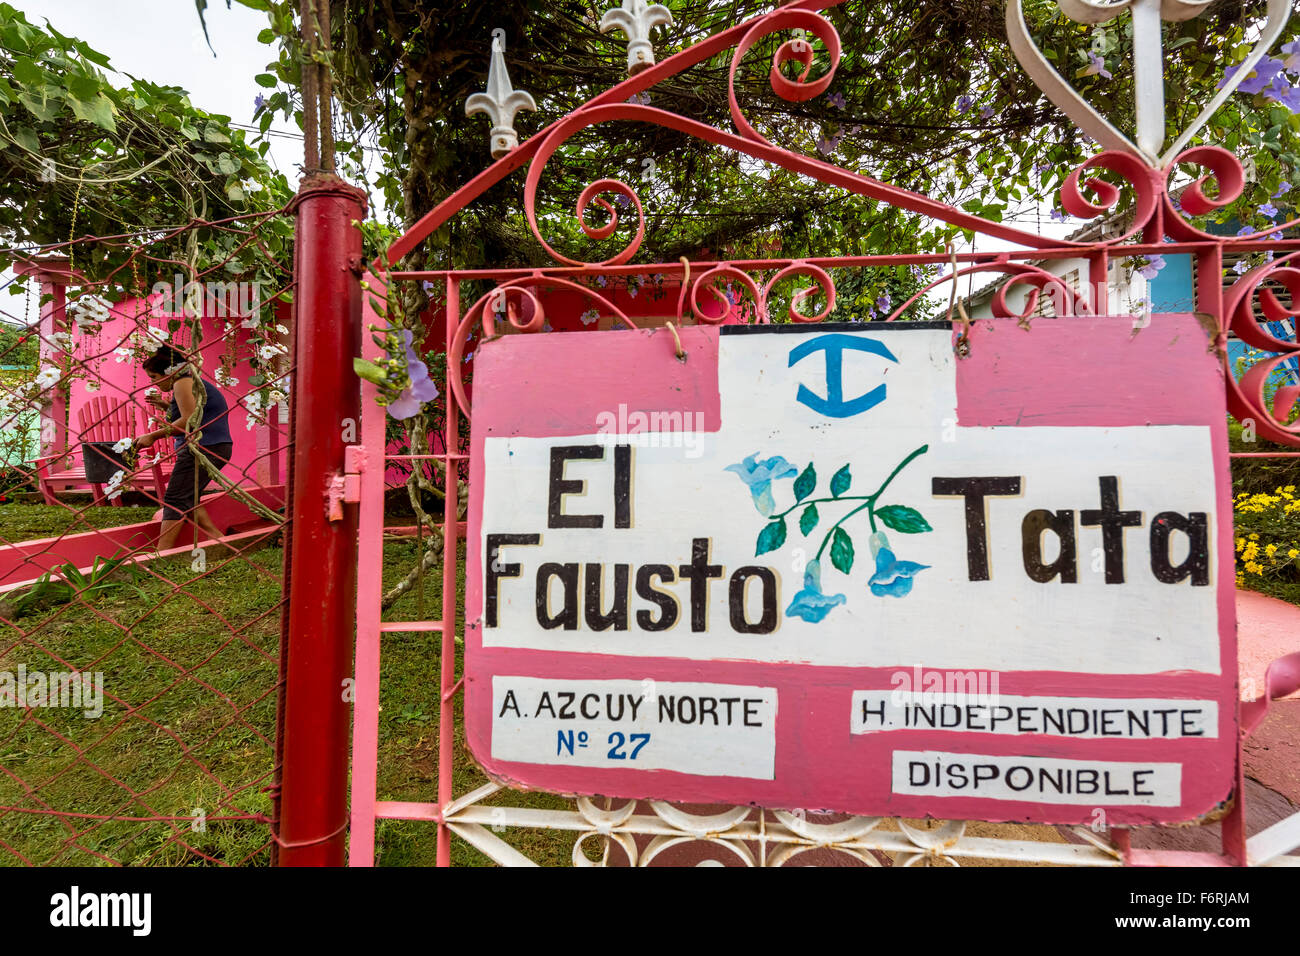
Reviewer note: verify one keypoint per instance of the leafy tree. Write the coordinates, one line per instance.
(927, 96)
(80, 156)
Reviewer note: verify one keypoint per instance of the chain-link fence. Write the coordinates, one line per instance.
(144, 417)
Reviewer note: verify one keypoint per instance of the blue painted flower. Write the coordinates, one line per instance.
(759, 475)
(810, 603)
(893, 578)
(421, 388)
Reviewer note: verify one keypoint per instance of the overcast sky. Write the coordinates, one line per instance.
(161, 41)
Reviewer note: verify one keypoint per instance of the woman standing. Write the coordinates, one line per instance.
(169, 370)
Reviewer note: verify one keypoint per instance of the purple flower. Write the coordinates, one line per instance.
(601, 281)
(964, 104)
(632, 289)
(826, 146)
(836, 100)
(258, 102)
(1096, 66)
(469, 355)
(1268, 209)
(1041, 168)
(810, 603)
(421, 388)
(759, 475)
(1245, 230)
(1285, 94)
(883, 303)
(1274, 235)
(1240, 267)
(986, 112)
(915, 270)
(1283, 188)
(639, 99)
(1268, 256)
(1292, 50)
(1264, 73)
(1153, 267)
(1058, 215)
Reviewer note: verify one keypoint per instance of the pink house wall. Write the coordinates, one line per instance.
(259, 450)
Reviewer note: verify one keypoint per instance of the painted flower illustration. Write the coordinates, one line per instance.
(759, 475)
(810, 603)
(893, 578)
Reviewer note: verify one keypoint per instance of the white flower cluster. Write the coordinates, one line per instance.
(114, 487)
(48, 377)
(224, 378)
(88, 311)
(253, 403)
(61, 339)
(270, 351)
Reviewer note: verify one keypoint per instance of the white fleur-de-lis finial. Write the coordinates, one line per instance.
(636, 19)
(501, 101)
(1148, 69)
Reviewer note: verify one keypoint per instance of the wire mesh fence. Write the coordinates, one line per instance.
(144, 421)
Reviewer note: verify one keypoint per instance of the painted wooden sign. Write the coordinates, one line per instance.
(840, 568)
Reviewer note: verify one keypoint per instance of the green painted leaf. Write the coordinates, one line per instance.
(840, 481)
(808, 520)
(771, 537)
(902, 518)
(805, 483)
(842, 551)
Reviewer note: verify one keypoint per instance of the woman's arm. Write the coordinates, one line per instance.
(183, 392)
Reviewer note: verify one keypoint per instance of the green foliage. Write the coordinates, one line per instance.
(66, 583)
(403, 69)
(81, 156)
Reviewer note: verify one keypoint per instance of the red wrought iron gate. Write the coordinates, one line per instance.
(642, 832)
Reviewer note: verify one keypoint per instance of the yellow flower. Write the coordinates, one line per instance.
(1241, 543)
(1271, 550)
(1293, 554)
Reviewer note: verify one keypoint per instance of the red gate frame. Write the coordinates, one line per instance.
(1158, 228)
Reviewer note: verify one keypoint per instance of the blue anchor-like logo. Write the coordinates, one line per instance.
(834, 405)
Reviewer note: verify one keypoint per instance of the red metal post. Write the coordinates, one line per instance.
(321, 558)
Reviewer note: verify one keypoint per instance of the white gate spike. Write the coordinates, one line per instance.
(636, 19)
(501, 101)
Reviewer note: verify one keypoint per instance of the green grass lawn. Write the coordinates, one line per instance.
(22, 522)
(198, 717)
